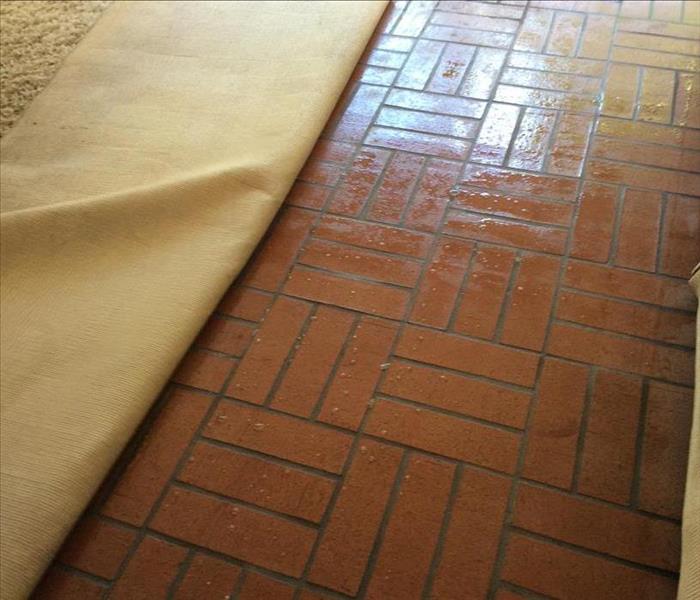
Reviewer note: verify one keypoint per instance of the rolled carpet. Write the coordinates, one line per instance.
(689, 585)
(134, 189)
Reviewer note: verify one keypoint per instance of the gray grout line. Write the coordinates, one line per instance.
(386, 517)
(583, 427)
(442, 535)
(639, 447)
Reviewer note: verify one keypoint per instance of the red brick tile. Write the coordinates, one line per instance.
(570, 144)
(441, 434)
(235, 530)
(667, 11)
(475, 21)
(150, 572)
(469, 356)
(307, 195)
(313, 595)
(468, 36)
(373, 236)
(527, 315)
(470, 397)
(626, 354)
(58, 584)
(621, 91)
(395, 189)
(440, 284)
(664, 180)
(562, 82)
(509, 595)
(430, 199)
(245, 303)
(613, 531)
(363, 296)
(339, 152)
(352, 194)
(97, 547)
(472, 537)
(414, 18)
(451, 69)
(401, 118)
(609, 451)
(625, 317)
(687, 99)
(668, 29)
(635, 9)
(363, 263)
(356, 118)
(513, 182)
(419, 65)
(259, 368)
(649, 133)
(665, 449)
(357, 374)
(436, 103)
(480, 306)
(646, 154)
(597, 37)
(620, 283)
(421, 143)
(143, 480)
(273, 259)
(531, 144)
(656, 42)
(534, 30)
(651, 58)
(320, 172)
(481, 8)
(505, 231)
(257, 481)
(516, 207)
(203, 370)
(261, 587)
(551, 445)
(592, 237)
(306, 376)
(639, 230)
(279, 435)
(412, 531)
(395, 43)
(563, 573)
(383, 58)
(225, 335)
(681, 231)
(349, 536)
(543, 62)
(207, 577)
(545, 99)
(373, 75)
(656, 95)
(495, 135)
(565, 33)
(483, 73)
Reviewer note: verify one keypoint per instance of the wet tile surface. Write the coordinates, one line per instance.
(460, 363)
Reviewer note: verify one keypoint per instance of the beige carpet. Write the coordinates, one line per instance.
(133, 191)
(35, 37)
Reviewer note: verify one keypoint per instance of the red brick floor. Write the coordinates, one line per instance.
(460, 364)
